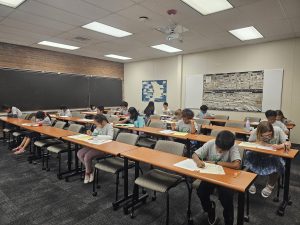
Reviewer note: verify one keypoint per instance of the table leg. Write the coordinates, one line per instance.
(241, 208)
(75, 171)
(189, 212)
(286, 198)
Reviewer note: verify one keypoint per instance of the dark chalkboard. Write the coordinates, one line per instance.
(31, 90)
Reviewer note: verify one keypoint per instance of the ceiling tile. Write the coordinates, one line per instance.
(110, 5)
(270, 28)
(5, 11)
(78, 7)
(292, 7)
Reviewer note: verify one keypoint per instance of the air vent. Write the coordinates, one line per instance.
(81, 39)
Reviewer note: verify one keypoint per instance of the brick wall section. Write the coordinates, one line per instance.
(21, 57)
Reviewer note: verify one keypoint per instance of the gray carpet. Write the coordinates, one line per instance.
(29, 195)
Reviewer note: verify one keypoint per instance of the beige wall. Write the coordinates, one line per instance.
(272, 55)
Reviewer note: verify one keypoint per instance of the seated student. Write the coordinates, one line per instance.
(92, 108)
(166, 110)
(280, 117)
(186, 124)
(124, 108)
(12, 111)
(100, 110)
(103, 131)
(271, 117)
(64, 111)
(133, 118)
(177, 115)
(203, 114)
(40, 118)
(149, 110)
(264, 164)
(223, 152)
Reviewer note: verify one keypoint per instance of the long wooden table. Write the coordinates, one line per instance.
(236, 180)
(112, 148)
(73, 119)
(236, 130)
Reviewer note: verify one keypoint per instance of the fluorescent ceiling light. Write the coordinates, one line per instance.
(105, 29)
(118, 57)
(246, 33)
(11, 3)
(58, 45)
(206, 7)
(166, 48)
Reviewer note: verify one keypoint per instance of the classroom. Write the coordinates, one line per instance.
(138, 112)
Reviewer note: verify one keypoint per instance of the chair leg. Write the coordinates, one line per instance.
(154, 196)
(168, 208)
(43, 159)
(47, 161)
(94, 182)
(246, 218)
(59, 164)
(117, 185)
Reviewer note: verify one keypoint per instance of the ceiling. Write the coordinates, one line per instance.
(61, 21)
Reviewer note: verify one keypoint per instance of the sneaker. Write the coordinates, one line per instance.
(20, 151)
(16, 149)
(91, 177)
(267, 191)
(252, 189)
(86, 179)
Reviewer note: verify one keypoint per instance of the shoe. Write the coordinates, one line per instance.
(86, 179)
(252, 189)
(91, 177)
(16, 149)
(20, 151)
(267, 191)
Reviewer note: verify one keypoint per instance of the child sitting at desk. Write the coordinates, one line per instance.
(40, 118)
(64, 111)
(133, 118)
(271, 117)
(203, 114)
(264, 164)
(223, 152)
(166, 110)
(280, 117)
(124, 108)
(12, 111)
(100, 110)
(186, 124)
(103, 131)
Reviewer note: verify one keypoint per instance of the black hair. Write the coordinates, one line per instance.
(204, 108)
(149, 110)
(6, 107)
(100, 118)
(92, 106)
(63, 107)
(280, 113)
(125, 104)
(270, 113)
(225, 140)
(133, 113)
(101, 108)
(40, 115)
(165, 103)
(187, 113)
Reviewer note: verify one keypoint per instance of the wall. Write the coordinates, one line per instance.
(20, 57)
(158, 69)
(278, 54)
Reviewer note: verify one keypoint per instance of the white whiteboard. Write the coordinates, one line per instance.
(272, 90)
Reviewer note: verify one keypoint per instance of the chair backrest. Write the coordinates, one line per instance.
(77, 114)
(242, 154)
(60, 124)
(221, 117)
(23, 116)
(157, 124)
(127, 138)
(252, 119)
(202, 121)
(32, 118)
(172, 147)
(116, 133)
(214, 133)
(157, 117)
(75, 128)
(112, 118)
(235, 124)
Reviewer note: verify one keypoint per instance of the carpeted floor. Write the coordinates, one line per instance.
(29, 195)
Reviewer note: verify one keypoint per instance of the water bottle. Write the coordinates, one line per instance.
(248, 124)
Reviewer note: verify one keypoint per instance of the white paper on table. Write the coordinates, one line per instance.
(98, 142)
(255, 145)
(30, 124)
(167, 131)
(209, 168)
(86, 120)
(63, 116)
(82, 137)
